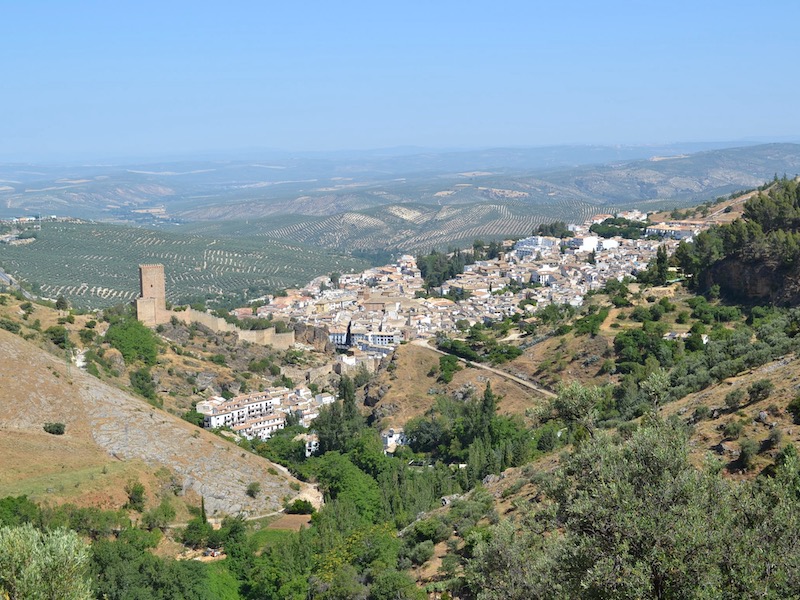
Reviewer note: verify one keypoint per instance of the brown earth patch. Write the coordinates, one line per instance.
(290, 522)
(410, 391)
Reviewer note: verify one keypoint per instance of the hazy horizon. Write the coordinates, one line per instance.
(107, 82)
(246, 154)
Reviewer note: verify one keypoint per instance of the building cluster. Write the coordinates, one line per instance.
(677, 230)
(33, 220)
(260, 414)
(369, 313)
(14, 239)
(375, 310)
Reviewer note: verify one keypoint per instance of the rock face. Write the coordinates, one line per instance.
(381, 412)
(313, 336)
(114, 358)
(128, 428)
(756, 281)
(374, 393)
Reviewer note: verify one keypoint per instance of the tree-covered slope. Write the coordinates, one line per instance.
(755, 258)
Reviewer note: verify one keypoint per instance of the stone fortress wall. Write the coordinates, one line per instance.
(151, 310)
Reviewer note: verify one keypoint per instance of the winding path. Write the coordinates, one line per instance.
(424, 343)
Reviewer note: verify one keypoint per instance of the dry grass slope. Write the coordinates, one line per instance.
(106, 428)
(407, 387)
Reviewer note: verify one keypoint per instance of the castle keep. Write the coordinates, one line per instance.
(151, 306)
(151, 310)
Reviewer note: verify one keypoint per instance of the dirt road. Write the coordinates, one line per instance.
(509, 376)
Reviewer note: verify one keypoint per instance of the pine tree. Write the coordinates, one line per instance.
(662, 266)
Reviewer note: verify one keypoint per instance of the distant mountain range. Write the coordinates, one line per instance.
(385, 200)
(329, 183)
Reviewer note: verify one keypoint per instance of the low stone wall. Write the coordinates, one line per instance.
(267, 337)
(262, 337)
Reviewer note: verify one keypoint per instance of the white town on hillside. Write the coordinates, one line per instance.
(371, 312)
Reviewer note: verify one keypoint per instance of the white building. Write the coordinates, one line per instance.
(607, 244)
(530, 246)
(260, 414)
(544, 275)
(311, 441)
(583, 243)
(219, 412)
(392, 438)
(261, 428)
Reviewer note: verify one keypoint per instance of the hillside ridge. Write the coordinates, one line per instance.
(38, 389)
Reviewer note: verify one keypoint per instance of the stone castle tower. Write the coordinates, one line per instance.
(151, 306)
(151, 310)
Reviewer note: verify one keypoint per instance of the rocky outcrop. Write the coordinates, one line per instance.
(755, 281)
(374, 393)
(383, 411)
(313, 336)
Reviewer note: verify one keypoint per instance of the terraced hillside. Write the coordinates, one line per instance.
(94, 265)
(405, 227)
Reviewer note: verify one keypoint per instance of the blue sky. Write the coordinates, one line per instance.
(117, 79)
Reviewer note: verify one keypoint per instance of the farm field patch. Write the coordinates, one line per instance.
(95, 265)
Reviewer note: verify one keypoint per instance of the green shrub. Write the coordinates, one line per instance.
(421, 553)
(774, 439)
(217, 359)
(55, 428)
(749, 451)
(448, 366)
(86, 335)
(133, 340)
(760, 390)
(142, 383)
(733, 429)
(432, 529)
(627, 429)
(702, 412)
(136, 496)
(159, 517)
(300, 507)
(253, 489)
(733, 399)
(794, 408)
(196, 533)
(58, 335)
(9, 325)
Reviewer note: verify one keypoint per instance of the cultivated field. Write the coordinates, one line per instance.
(411, 227)
(95, 265)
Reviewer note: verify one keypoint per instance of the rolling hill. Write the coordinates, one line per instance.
(112, 437)
(325, 185)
